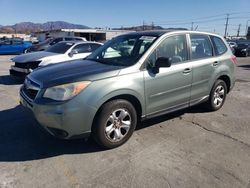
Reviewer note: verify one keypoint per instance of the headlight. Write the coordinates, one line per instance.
(244, 50)
(66, 91)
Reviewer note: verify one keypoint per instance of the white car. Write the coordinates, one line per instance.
(60, 52)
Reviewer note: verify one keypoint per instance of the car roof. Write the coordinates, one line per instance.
(80, 42)
(158, 33)
(153, 33)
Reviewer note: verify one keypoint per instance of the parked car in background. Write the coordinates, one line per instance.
(41, 46)
(131, 77)
(243, 49)
(50, 41)
(60, 52)
(10, 46)
(233, 46)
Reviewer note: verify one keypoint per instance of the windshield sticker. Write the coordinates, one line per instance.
(148, 38)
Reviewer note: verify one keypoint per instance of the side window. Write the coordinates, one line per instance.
(7, 42)
(220, 47)
(69, 39)
(16, 42)
(77, 39)
(56, 41)
(82, 48)
(94, 46)
(174, 47)
(201, 46)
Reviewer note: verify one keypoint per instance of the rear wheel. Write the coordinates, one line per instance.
(114, 124)
(217, 96)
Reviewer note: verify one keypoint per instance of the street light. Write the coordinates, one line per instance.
(247, 27)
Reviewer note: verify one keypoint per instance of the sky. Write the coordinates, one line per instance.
(206, 15)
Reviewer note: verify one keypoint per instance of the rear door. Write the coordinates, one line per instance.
(17, 46)
(203, 66)
(170, 88)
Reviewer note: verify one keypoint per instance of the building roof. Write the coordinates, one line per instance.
(85, 31)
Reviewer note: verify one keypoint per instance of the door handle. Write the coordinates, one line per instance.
(215, 63)
(187, 71)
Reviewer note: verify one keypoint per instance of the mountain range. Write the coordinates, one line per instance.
(29, 27)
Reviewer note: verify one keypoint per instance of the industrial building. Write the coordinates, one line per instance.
(90, 34)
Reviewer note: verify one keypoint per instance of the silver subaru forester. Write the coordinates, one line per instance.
(132, 77)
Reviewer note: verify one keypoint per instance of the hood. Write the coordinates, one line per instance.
(73, 71)
(33, 56)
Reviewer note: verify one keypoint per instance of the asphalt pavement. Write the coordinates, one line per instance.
(189, 148)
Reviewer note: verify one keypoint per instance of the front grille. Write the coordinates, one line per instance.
(31, 93)
(21, 65)
(30, 88)
(28, 65)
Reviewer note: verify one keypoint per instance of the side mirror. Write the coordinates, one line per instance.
(163, 62)
(72, 53)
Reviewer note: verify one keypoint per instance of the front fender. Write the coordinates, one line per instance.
(101, 91)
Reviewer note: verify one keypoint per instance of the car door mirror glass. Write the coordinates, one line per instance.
(163, 62)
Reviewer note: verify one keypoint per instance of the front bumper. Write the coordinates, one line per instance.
(19, 72)
(68, 120)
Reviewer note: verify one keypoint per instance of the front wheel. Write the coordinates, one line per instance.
(217, 96)
(114, 124)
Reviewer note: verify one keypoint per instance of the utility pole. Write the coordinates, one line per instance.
(247, 27)
(225, 35)
(192, 26)
(143, 25)
(152, 26)
(238, 31)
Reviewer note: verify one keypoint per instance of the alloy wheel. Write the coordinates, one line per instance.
(219, 95)
(117, 125)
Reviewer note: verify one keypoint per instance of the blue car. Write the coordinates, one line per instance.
(14, 46)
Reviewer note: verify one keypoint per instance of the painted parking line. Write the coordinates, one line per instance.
(15, 98)
(62, 166)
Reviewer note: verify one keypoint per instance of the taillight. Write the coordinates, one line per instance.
(234, 59)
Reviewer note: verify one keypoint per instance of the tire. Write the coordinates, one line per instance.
(217, 96)
(114, 123)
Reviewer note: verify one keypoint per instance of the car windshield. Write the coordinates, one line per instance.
(60, 48)
(123, 50)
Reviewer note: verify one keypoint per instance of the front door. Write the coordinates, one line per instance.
(170, 88)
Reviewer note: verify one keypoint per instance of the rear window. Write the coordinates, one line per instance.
(219, 45)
